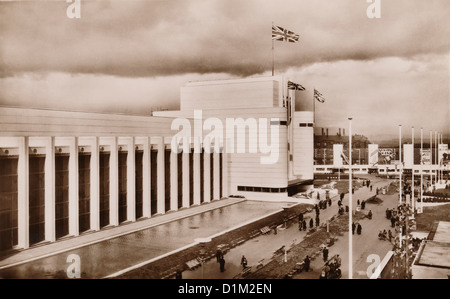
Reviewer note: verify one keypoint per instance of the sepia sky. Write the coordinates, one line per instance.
(133, 56)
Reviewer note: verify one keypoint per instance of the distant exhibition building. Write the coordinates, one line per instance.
(66, 173)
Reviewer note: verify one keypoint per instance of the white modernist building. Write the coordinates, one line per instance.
(65, 173)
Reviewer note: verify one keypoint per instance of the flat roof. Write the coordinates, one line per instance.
(442, 232)
(436, 252)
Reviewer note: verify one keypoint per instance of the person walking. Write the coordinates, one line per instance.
(306, 262)
(317, 220)
(359, 229)
(325, 254)
(342, 196)
(244, 262)
(219, 255)
(300, 217)
(353, 228)
(304, 224)
(311, 223)
(222, 264)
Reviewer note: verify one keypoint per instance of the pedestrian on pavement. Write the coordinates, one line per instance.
(304, 224)
(353, 190)
(363, 204)
(370, 188)
(369, 215)
(357, 202)
(307, 262)
(325, 254)
(317, 220)
(342, 196)
(311, 223)
(329, 202)
(222, 264)
(339, 203)
(244, 262)
(219, 255)
(338, 260)
(353, 228)
(300, 217)
(392, 221)
(178, 274)
(359, 229)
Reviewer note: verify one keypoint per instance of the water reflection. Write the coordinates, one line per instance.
(107, 257)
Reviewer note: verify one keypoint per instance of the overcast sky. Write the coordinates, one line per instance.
(133, 56)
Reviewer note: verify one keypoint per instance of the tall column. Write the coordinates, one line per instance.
(50, 232)
(412, 183)
(131, 180)
(216, 170)
(73, 188)
(161, 188)
(95, 185)
(186, 169)
(197, 177)
(146, 178)
(350, 202)
(114, 184)
(400, 159)
(206, 176)
(173, 180)
(23, 194)
(224, 173)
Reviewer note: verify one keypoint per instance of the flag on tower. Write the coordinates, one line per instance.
(281, 34)
(295, 86)
(318, 96)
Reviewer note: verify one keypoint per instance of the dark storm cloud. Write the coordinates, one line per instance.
(162, 38)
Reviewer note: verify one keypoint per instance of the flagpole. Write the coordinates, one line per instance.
(350, 200)
(273, 63)
(435, 157)
(421, 169)
(400, 159)
(413, 204)
(431, 158)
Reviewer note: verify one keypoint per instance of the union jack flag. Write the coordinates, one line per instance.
(281, 34)
(295, 86)
(318, 96)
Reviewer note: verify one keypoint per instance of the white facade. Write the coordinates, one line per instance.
(78, 172)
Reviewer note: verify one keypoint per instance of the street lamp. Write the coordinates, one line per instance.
(203, 242)
(350, 199)
(400, 159)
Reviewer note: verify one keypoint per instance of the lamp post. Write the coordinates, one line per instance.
(421, 169)
(202, 242)
(412, 182)
(350, 199)
(400, 160)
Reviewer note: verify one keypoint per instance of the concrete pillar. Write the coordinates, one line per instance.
(73, 188)
(131, 180)
(160, 209)
(186, 187)
(95, 185)
(146, 177)
(216, 170)
(173, 180)
(23, 194)
(197, 177)
(50, 232)
(114, 184)
(206, 177)
(224, 173)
